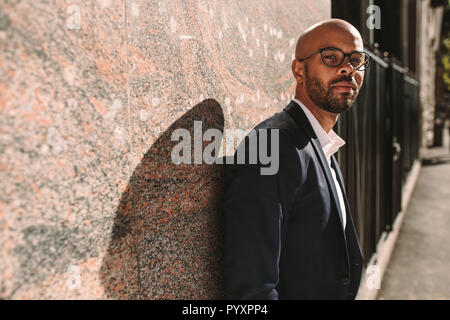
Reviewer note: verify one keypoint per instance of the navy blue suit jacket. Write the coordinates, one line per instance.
(284, 237)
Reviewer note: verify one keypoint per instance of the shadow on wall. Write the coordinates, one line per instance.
(167, 238)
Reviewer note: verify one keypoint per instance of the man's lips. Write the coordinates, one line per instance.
(344, 86)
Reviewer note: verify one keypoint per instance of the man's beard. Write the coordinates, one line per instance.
(325, 98)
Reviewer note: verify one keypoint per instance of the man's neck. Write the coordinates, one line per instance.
(326, 119)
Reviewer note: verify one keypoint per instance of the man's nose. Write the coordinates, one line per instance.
(346, 67)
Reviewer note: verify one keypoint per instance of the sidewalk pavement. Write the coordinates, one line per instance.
(419, 267)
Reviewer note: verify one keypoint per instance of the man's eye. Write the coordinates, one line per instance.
(356, 60)
(330, 57)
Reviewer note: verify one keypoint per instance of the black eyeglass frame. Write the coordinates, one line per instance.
(365, 64)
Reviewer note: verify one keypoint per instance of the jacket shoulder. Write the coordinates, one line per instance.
(287, 126)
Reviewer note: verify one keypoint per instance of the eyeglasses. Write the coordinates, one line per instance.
(334, 57)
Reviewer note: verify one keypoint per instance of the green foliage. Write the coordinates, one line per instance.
(446, 76)
(445, 34)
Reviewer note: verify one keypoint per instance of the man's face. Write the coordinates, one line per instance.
(328, 97)
(334, 89)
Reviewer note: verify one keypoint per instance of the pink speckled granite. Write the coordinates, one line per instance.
(86, 116)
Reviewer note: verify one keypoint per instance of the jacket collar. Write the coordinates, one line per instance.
(330, 141)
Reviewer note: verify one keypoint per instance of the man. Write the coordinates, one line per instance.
(290, 235)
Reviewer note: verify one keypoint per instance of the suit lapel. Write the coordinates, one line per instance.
(356, 253)
(340, 180)
(303, 123)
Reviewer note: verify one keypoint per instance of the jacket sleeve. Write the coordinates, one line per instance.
(255, 208)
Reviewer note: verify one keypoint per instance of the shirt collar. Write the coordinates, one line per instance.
(330, 141)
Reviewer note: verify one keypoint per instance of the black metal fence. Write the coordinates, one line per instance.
(381, 133)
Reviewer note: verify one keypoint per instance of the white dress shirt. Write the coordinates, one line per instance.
(330, 143)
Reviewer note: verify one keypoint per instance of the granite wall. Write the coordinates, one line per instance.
(91, 205)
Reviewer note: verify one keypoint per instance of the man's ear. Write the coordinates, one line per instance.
(298, 69)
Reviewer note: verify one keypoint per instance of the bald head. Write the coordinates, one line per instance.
(324, 34)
